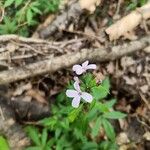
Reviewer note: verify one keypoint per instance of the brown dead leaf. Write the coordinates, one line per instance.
(144, 88)
(122, 138)
(130, 81)
(127, 61)
(128, 23)
(99, 77)
(147, 50)
(37, 95)
(110, 68)
(89, 4)
(147, 136)
(22, 88)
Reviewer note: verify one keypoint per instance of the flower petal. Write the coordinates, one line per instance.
(87, 97)
(85, 64)
(76, 101)
(76, 79)
(71, 93)
(77, 86)
(91, 66)
(78, 69)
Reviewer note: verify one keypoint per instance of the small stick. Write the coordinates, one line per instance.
(1, 112)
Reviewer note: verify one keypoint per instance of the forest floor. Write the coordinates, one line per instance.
(30, 93)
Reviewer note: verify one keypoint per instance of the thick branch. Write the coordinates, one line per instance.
(66, 60)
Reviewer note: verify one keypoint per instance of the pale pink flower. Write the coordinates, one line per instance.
(80, 69)
(77, 94)
(76, 79)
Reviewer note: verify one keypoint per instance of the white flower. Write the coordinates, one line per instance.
(77, 94)
(80, 69)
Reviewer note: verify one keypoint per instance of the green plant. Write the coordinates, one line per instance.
(25, 14)
(4, 144)
(81, 127)
(133, 4)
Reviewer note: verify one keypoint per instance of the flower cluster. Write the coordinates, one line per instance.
(77, 94)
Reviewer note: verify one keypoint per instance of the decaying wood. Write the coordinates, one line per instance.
(61, 22)
(55, 63)
(30, 111)
(129, 22)
(8, 126)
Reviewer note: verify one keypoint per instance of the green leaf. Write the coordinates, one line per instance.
(48, 122)
(99, 93)
(57, 133)
(79, 135)
(102, 107)
(74, 113)
(102, 90)
(106, 84)
(33, 134)
(114, 115)
(8, 3)
(89, 80)
(109, 130)
(4, 144)
(50, 143)
(18, 2)
(44, 137)
(108, 145)
(95, 129)
(110, 103)
(29, 16)
(61, 96)
(64, 123)
(142, 2)
(33, 148)
(92, 114)
(90, 146)
(36, 10)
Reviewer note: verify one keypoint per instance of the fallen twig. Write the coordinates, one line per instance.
(55, 63)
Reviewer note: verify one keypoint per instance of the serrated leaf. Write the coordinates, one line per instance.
(106, 84)
(74, 113)
(99, 93)
(4, 144)
(108, 145)
(79, 135)
(50, 143)
(95, 129)
(8, 3)
(92, 114)
(90, 146)
(57, 133)
(18, 2)
(110, 103)
(102, 107)
(109, 130)
(33, 134)
(89, 80)
(48, 122)
(114, 115)
(44, 137)
(36, 10)
(29, 16)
